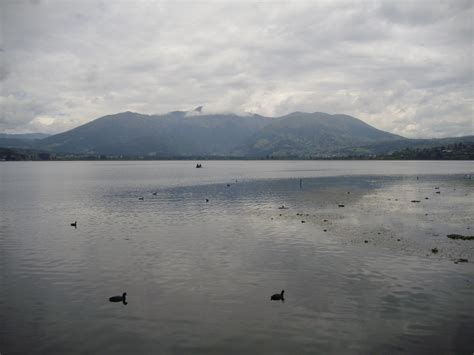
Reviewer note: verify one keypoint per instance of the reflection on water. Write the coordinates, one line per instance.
(199, 275)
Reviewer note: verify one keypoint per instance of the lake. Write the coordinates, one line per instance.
(199, 275)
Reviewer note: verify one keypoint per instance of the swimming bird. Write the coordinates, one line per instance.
(278, 296)
(119, 298)
(207, 200)
(141, 198)
(74, 224)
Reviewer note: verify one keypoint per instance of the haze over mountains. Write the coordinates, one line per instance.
(182, 134)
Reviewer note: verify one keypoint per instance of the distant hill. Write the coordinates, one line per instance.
(20, 140)
(314, 134)
(455, 151)
(173, 134)
(181, 134)
(24, 136)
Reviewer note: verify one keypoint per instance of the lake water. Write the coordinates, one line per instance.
(199, 275)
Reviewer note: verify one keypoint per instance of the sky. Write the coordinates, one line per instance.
(403, 66)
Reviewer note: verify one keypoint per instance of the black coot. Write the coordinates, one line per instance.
(278, 296)
(119, 298)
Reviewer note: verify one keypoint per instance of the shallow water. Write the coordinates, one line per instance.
(199, 274)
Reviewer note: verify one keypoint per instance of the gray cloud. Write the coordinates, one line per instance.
(405, 67)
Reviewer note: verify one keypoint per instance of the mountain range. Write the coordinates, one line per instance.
(182, 134)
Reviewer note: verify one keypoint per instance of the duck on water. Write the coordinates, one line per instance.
(278, 296)
(119, 298)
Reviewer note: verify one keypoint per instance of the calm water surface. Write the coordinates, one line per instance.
(199, 274)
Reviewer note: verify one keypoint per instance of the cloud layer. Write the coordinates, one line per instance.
(405, 67)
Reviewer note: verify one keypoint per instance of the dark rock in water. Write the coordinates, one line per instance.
(228, 185)
(398, 240)
(141, 198)
(438, 192)
(434, 250)
(325, 220)
(303, 221)
(207, 200)
(155, 193)
(426, 198)
(325, 230)
(340, 205)
(459, 236)
(415, 201)
(461, 260)
(366, 241)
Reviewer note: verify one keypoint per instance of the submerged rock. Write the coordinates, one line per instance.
(459, 236)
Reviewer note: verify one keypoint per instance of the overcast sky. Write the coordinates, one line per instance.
(402, 66)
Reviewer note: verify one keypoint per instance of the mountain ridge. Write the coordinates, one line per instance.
(183, 134)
